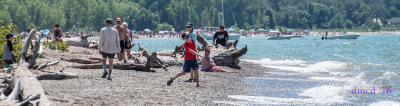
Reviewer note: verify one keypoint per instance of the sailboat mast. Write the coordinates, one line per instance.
(223, 19)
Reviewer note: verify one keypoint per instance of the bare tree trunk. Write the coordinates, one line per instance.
(230, 58)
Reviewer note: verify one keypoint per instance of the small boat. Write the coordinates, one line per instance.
(232, 36)
(279, 38)
(296, 36)
(342, 37)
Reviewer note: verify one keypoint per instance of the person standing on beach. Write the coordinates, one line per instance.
(122, 35)
(192, 35)
(57, 33)
(8, 54)
(190, 60)
(222, 36)
(128, 40)
(108, 46)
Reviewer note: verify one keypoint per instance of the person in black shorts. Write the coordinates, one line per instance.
(108, 46)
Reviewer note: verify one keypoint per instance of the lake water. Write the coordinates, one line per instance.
(311, 71)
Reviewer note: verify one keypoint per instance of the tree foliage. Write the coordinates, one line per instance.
(88, 15)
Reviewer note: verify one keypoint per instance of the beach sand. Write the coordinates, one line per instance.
(130, 87)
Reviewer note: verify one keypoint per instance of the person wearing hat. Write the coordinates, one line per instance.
(221, 35)
(57, 33)
(190, 32)
(8, 50)
(191, 35)
(108, 46)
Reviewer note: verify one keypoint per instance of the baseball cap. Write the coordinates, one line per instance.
(189, 24)
(108, 20)
(9, 35)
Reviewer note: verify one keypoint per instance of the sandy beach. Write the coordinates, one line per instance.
(130, 87)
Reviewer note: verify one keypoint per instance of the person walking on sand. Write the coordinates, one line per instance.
(222, 36)
(57, 33)
(190, 60)
(122, 35)
(108, 46)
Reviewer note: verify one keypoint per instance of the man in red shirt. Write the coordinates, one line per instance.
(190, 60)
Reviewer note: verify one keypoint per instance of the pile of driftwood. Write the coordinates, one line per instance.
(142, 60)
(24, 87)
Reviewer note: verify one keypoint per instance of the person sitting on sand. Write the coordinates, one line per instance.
(190, 60)
(57, 33)
(108, 46)
(207, 63)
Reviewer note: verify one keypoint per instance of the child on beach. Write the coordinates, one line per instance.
(190, 60)
(8, 50)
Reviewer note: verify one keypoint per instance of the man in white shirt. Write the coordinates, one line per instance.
(108, 46)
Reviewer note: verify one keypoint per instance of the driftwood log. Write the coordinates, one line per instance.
(231, 45)
(23, 79)
(81, 61)
(81, 41)
(46, 65)
(57, 76)
(230, 58)
(137, 67)
(203, 41)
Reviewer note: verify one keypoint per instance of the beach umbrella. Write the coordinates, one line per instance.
(133, 31)
(45, 31)
(198, 30)
(231, 29)
(271, 29)
(165, 31)
(147, 30)
(160, 32)
(288, 29)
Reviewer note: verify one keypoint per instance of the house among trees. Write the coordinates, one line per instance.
(394, 21)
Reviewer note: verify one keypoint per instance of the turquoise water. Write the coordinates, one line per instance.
(311, 71)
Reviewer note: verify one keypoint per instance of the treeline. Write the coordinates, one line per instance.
(88, 15)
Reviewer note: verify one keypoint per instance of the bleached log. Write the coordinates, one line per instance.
(16, 91)
(46, 65)
(31, 98)
(137, 67)
(81, 41)
(57, 76)
(230, 58)
(81, 61)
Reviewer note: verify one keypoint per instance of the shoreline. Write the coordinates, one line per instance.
(144, 88)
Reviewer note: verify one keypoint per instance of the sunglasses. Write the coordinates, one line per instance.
(118, 21)
(188, 27)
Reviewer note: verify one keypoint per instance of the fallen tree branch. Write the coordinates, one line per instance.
(16, 91)
(46, 65)
(137, 67)
(31, 98)
(81, 61)
(56, 76)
